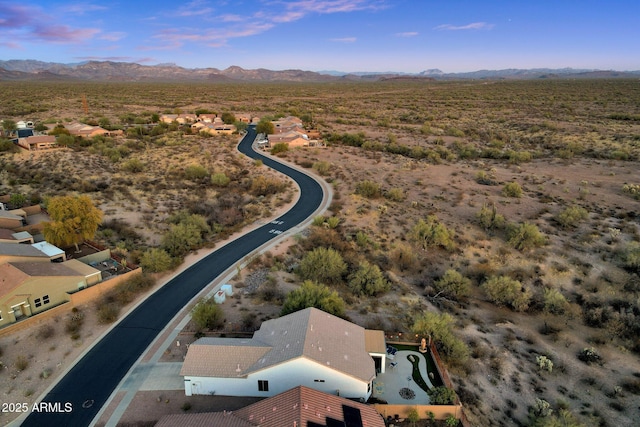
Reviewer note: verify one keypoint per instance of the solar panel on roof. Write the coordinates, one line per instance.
(352, 416)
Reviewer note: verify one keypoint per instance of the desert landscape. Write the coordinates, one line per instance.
(499, 217)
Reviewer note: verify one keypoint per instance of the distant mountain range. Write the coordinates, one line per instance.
(126, 71)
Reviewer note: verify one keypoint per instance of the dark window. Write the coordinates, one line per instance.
(263, 385)
(37, 302)
(45, 299)
(318, 381)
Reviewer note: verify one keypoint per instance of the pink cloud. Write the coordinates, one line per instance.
(63, 33)
(472, 26)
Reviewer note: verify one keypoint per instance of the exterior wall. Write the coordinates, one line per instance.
(32, 210)
(281, 378)
(94, 292)
(17, 258)
(10, 223)
(96, 257)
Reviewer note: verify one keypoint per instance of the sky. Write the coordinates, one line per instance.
(320, 35)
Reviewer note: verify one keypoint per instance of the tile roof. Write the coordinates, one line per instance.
(298, 407)
(10, 277)
(310, 333)
(21, 250)
(374, 341)
(39, 269)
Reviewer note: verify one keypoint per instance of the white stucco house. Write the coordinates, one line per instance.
(309, 348)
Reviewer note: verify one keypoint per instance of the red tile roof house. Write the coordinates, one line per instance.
(39, 142)
(300, 406)
(292, 138)
(309, 347)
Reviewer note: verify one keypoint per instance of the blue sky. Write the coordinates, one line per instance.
(344, 35)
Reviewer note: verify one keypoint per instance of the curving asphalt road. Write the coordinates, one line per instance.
(80, 394)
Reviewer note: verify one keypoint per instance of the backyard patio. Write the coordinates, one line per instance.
(397, 384)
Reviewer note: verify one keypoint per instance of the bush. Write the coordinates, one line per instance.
(322, 167)
(589, 355)
(484, 178)
(526, 236)
(196, 172)
(442, 396)
(108, 312)
(571, 216)
(311, 294)
(432, 233)
(368, 189)
(505, 291)
(21, 363)
(489, 218)
(512, 189)
(368, 280)
(133, 166)
(220, 179)
(631, 256)
(452, 285)
(207, 314)
(281, 147)
(440, 328)
(554, 302)
(395, 194)
(156, 260)
(324, 265)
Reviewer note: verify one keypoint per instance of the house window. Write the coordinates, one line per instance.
(45, 299)
(263, 385)
(37, 302)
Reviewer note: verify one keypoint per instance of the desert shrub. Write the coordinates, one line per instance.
(489, 218)
(526, 236)
(187, 232)
(281, 147)
(630, 256)
(442, 396)
(432, 233)
(74, 323)
(220, 179)
(452, 285)
(554, 301)
(196, 172)
(403, 257)
(589, 355)
(484, 178)
(571, 216)
(17, 200)
(324, 265)
(207, 314)
(21, 363)
(264, 186)
(7, 146)
(544, 363)
(45, 332)
(505, 291)
(312, 294)
(395, 194)
(440, 328)
(517, 157)
(156, 260)
(333, 222)
(322, 167)
(512, 189)
(368, 189)
(107, 312)
(368, 280)
(318, 221)
(632, 189)
(133, 165)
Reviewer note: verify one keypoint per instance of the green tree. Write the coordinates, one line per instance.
(241, 126)
(73, 219)
(442, 396)
(554, 301)
(207, 314)
(228, 117)
(312, 294)
(505, 291)
(196, 172)
(220, 179)
(413, 416)
(156, 260)
(368, 280)
(440, 328)
(281, 147)
(324, 265)
(526, 236)
(185, 234)
(512, 189)
(453, 285)
(432, 233)
(9, 126)
(265, 126)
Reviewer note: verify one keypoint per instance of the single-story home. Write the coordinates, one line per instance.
(309, 347)
(85, 131)
(40, 142)
(292, 138)
(10, 252)
(300, 407)
(10, 236)
(9, 219)
(28, 288)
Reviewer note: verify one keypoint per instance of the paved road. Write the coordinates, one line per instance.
(88, 385)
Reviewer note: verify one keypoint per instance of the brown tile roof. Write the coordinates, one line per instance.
(10, 277)
(301, 405)
(298, 407)
(207, 419)
(310, 333)
(21, 250)
(36, 268)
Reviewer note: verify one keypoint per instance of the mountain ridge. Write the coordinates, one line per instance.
(30, 69)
